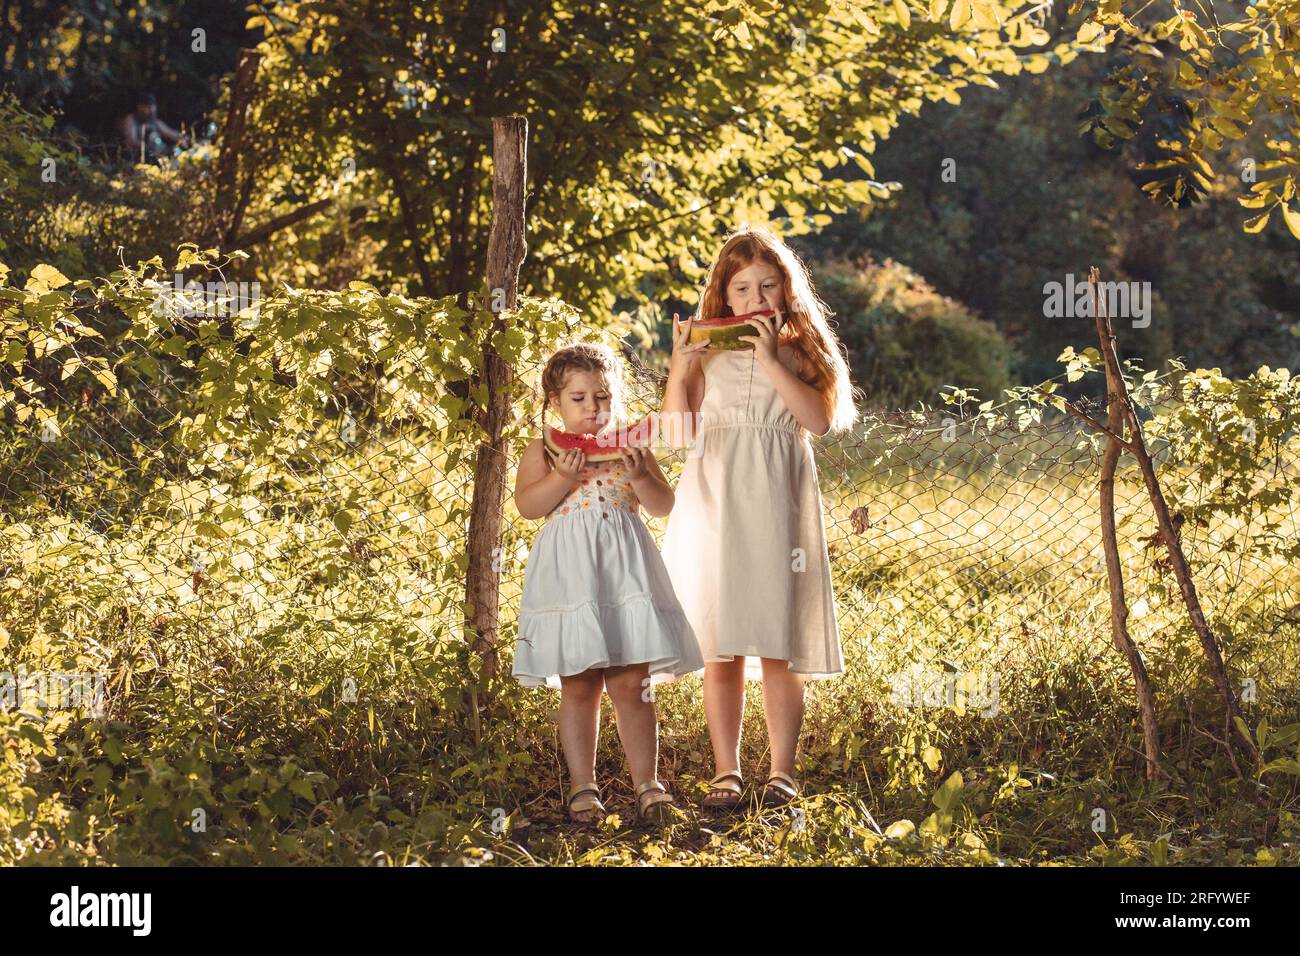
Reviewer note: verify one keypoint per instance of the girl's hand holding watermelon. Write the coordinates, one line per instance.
(685, 355)
(569, 463)
(679, 418)
(635, 461)
(765, 340)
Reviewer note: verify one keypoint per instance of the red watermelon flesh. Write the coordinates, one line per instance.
(604, 446)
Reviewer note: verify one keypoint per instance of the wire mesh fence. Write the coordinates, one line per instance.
(327, 542)
(979, 535)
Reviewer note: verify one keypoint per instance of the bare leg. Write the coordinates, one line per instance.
(635, 714)
(724, 708)
(580, 723)
(783, 705)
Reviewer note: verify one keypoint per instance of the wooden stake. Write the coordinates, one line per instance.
(1114, 573)
(1137, 444)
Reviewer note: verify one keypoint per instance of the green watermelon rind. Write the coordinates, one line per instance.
(725, 332)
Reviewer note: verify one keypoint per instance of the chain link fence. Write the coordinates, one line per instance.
(335, 554)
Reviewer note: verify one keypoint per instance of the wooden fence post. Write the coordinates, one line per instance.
(1120, 414)
(506, 250)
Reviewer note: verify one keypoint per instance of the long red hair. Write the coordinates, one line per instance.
(821, 355)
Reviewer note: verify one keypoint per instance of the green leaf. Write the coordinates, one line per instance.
(106, 378)
(1257, 223)
(43, 278)
(960, 14)
(33, 735)
(1284, 765)
(1292, 218)
(949, 795)
(1243, 728)
(1089, 30)
(900, 830)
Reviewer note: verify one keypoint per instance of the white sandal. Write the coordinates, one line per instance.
(727, 786)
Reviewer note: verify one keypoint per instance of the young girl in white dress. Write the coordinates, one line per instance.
(746, 546)
(598, 610)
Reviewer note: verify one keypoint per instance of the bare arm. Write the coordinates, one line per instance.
(539, 486)
(126, 126)
(679, 417)
(166, 132)
(804, 401)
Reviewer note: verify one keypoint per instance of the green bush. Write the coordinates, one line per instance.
(905, 341)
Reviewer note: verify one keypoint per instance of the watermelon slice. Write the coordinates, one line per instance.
(606, 445)
(725, 332)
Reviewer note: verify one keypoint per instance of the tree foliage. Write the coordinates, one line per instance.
(649, 135)
(907, 341)
(1224, 69)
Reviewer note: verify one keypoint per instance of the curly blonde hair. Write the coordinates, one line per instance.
(591, 357)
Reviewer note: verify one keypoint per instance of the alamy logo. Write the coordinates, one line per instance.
(1124, 300)
(919, 687)
(103, 909)
(211, 299)
(52, 690)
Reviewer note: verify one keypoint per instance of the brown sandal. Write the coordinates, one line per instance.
(583, 809)
(724, 791)
(655, 804)
(779, 790)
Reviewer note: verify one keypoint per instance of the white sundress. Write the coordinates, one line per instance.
(596, 592)
(745, 544)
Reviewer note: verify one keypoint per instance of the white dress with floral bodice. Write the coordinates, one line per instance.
(596, 592)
